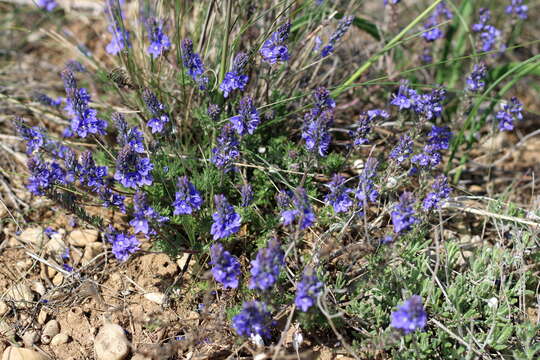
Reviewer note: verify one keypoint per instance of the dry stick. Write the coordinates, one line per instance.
(490, 214)
(456, 337)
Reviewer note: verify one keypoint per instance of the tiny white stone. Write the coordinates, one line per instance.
(261, 149)
(492, 303)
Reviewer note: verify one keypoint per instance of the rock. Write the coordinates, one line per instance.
(42, 317)
(90, 252)
(17, 353)
(30, 337)
(58, 279)
(23, 265)
(4, 308)
(182, 261)
(34, 236)
(82, 237)
(50, 330)
(51, 272)
(6, 330)
(38, 287)
(21, 295)
(156, 297)
(56, 245)
(59, 339)
(111, 343)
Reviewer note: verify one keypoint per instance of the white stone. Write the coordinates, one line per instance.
(156, 297)
(30, 337)
(34, 236)
(4, 308)
(38, 287)
(82, 237)
(59, 339)
(111, 343)
(17, 353)
(21, 295)
(50, 330)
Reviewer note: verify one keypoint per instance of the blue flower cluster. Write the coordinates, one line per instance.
(120, 36)
(158, 111)
(475, 81)
(295, 206)
(227, 149)
(341, 30)
(225, 267)
(44, 175)
(226, 220)
(266, 266)
(133, 170)
(410, 316)
(248, 118)
(46, 100)
(517, 8)
(433, 31)
(489, 34)
(427, 106)
(123, 245)
(130, 136)
(187, 198)
(365, 191)
(47, 5)
(254, 319)
(235, 79)
(441, 192)
(274, 48)
(403, 150)
(307, 290)
(317, 122)
(438, 140)
(143, 214)
(159, 41)
(363, 127)
(246, 194)
(84, 119)
(509, 112)
(403, 215)
(193, 63)
(339, 197)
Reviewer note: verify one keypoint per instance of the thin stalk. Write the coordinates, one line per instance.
(225, 48)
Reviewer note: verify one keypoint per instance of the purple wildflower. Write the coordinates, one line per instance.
(489, 35)
(187, 198)
(47, 5)
(248, 118)
(75, 66)
(44, 175)
(47, 101)
(404, 97)
(226, 220)
(254, 319)
(364, 125)
(432, 32)
(158, 111)
(246, 194)
(441, 192)
(123, 245)
(32, 135)
(403, 149)
(235, 79)
(226, 150)
(110, 198)
(517, 8)
(143, 214)
(159, 41)
(341, 30)
(274, 49)
(323, 100)
(266, 266)
(439, 137)
(339, 197)
(393, 2)
(133, 170)
(410, 316)
(475, 81)
(403, 214)
(508, 113)
(296, 206)
(128, 136)
(307, 290)
(365, 191)
(316, 131)
(89, 173)
(225, 267)
(193, 63)
(120, 36)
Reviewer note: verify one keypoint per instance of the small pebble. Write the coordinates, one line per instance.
(60, 339)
